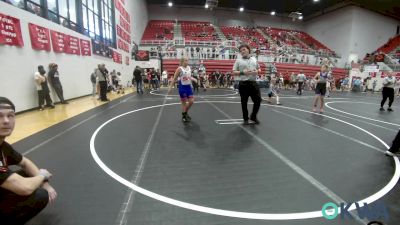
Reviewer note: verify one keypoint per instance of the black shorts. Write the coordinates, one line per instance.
(320, 89)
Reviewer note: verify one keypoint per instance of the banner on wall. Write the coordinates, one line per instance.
(142, 55)
(72, 45)
(40, 37)
(10, 31)
(58, 41)
(117, 57)
(85, 48)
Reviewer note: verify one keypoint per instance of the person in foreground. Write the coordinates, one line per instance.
(23, 194)
(394, 149)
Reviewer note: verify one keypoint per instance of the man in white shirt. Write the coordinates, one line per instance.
(247, 69)
(301, 78)
(165, 78)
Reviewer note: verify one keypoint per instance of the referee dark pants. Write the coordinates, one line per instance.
(103, 90)
(249, 89)
(300, 88)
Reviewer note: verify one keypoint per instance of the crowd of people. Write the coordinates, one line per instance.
(102, 81)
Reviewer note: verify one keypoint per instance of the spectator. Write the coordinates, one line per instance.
(54, 79)
(93, 79)
(43, 89)
(165, 78)
(137, 76)
(25, 193)
(101, 74)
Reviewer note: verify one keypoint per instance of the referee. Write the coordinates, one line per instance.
(246, 69)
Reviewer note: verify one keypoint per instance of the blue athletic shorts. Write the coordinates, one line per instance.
(185, 91)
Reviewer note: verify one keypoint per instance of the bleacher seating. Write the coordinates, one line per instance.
(227, 65)
(198, 31)
(391, 46)
(245, 34)
(310, 41)
(282, 37)
(158, 30)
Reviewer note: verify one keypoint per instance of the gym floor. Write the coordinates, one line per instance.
(132, 161)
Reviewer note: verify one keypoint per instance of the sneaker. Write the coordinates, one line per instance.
(314, 109)
(51, 106)
(64, 102)
(246, 122)
(389, 153)
(382, 109)
(390, 109)
(188, 117)
(254, 121)
(41, 108)
(321, 110)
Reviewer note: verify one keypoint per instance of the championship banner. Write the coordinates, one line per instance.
(10, 31)
(40, 37)
(58, 41)
(72, 45)
(85, 48)
(142, 55)
(117, 57)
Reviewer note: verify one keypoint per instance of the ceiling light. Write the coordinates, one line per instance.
(300, 17)
(241, 9)
(316, 0)
(170, 4)
(273, 13)
(206, 6)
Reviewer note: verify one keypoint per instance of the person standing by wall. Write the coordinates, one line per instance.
(101, 74)
(93, 80)
(54, 80)
(43, 88)
(137, 75)
(248, 69)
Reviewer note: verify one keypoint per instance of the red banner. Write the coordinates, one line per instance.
(117, 57)
(10, 31)
(123, 1)
(72, 45)
(85, 48)
(124, 24)
(58, 41)
(40, 37)
(122, 45)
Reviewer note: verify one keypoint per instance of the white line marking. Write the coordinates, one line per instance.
(227, 123)
(348, 117)
(324, 189)
(229, 120)
(197, 96)
(127, 205)
(331, 131)
(367, 118)
(71, 128)
(247, 215)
